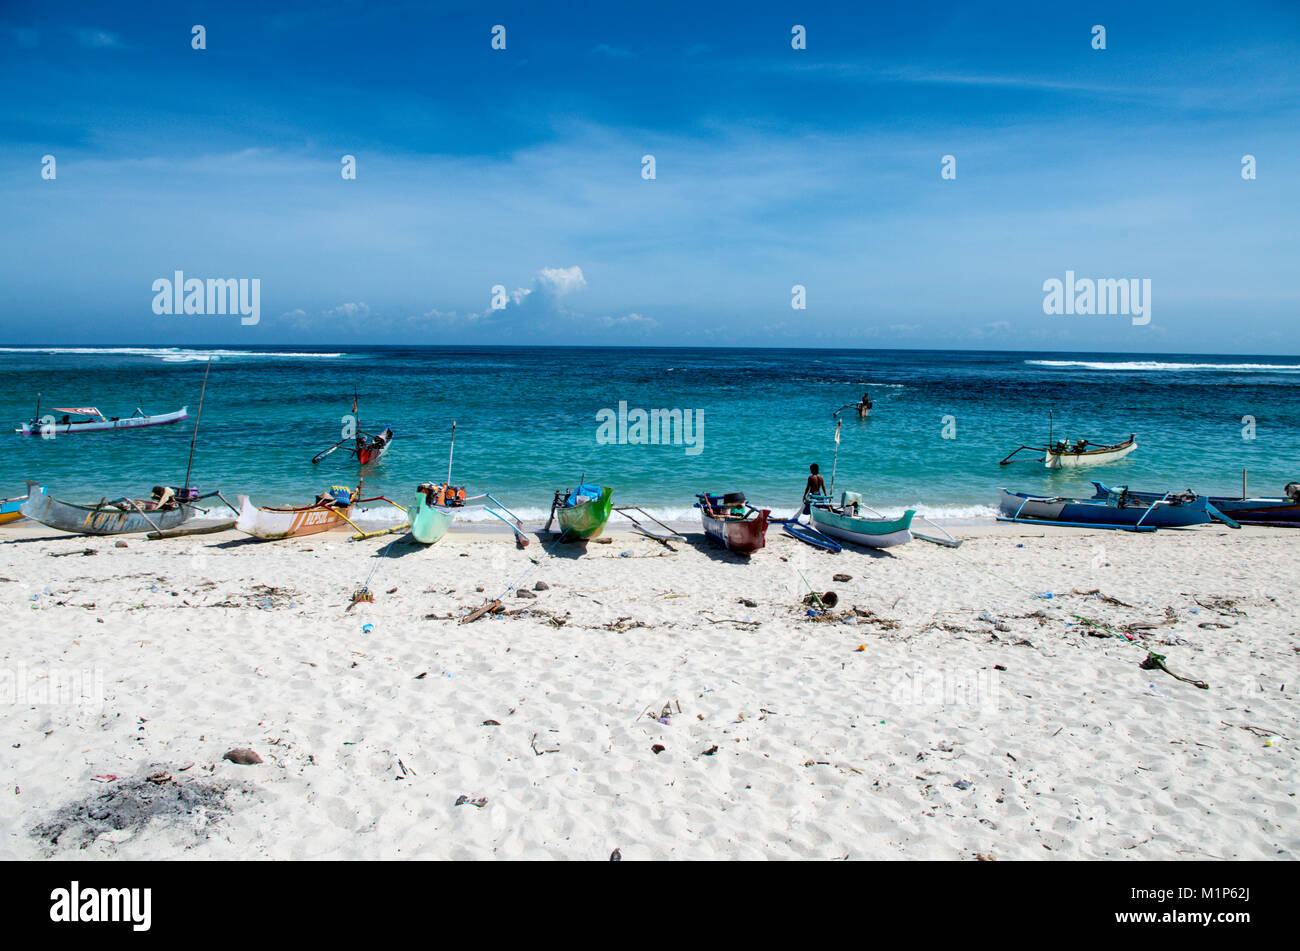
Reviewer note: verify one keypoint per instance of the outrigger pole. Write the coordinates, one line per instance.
(452, 451)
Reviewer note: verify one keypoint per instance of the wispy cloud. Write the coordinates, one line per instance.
(98, 39)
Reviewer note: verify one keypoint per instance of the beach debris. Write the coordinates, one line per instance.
(616, 856)
(711, 750)
(985, 857)
(480, 802)
(65, 554)
(841, 578)
(119, 544)
(963, 784)
(658, 748)
(491, 607)
(491, 722)
(361, 596)
(541, 586)
(525, 593)
(131, 805)
(541, 752)
(827, 600)
(242, 756)
(367, 628)
(1045, 595)
(603, 541)
(103, 778)
(747, 602)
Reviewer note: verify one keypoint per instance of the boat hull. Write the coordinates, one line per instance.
(131, 422)
(273, 523)
(588, 519)
(10, 510)
(739, 536)
(871, 532)
(98, 520)
(375, 451)
(1263, 511)
(1104, 511)
(1089, 457)
(429, 522)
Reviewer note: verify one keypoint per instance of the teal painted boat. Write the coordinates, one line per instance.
(583, 511)
(846, 521)
(430, 521)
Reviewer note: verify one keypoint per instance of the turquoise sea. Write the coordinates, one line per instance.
(528, 418)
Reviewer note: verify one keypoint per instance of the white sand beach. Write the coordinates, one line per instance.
(639, 703)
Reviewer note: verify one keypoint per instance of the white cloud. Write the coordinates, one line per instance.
(636, 321)
(561, 280)
(351, 311)
(98, 39)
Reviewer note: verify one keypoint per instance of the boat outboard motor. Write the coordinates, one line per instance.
(1292, 491)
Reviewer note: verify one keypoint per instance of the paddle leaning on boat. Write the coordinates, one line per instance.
(166, 508)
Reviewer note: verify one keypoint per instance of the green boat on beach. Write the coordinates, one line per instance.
(583, 511)
(429, 522)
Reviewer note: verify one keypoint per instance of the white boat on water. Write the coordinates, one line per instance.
(1065, 455)
(88, 419)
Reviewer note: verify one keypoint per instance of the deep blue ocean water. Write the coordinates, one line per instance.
(528, 421)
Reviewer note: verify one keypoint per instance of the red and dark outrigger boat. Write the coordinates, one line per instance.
(732, 522)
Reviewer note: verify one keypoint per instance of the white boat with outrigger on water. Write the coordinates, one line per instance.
(88, 419)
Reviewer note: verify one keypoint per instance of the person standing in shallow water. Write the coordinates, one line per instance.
(815, 485)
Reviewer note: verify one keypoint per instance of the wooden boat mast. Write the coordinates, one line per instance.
(197, 416)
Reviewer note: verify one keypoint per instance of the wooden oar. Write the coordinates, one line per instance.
(136, 506)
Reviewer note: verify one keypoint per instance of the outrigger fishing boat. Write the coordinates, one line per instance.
(847, 521)
(862, 406)
(165, 509)
(1284, 512)
(1064, 454)
(332, 509)
(732, 522)
(582, 512)
(1067, 454)
(367, 447)
(1118, 509)
(91, 420)
(10, 509)
(436, 507)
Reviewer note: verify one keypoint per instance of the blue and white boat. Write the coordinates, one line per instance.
(1119, 509)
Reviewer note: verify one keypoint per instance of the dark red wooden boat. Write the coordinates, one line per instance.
(732, 522)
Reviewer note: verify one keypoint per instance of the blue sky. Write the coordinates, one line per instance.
(522, 168)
